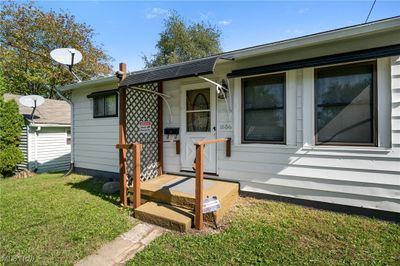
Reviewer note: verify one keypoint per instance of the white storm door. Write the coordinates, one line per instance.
(198, 116)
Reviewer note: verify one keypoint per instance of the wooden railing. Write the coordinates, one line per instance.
(136, 149)
(198, 209)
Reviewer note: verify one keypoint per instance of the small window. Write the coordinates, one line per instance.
(263, 118)
(68, 140)
(105, 106)
(345, 104)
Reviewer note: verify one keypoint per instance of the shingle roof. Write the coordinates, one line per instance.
(50, 112)
(191, 68)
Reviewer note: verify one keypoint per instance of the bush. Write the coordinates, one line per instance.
(11, 123)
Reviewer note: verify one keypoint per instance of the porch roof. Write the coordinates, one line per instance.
(192, 68)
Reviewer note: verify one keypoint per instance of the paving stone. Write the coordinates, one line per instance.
(124, 247)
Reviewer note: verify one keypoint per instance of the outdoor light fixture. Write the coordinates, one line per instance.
(223, 90)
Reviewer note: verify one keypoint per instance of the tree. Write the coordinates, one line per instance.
(28, 34)
(180, 42)
(11, 123)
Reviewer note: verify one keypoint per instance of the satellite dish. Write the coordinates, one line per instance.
(66, 56)
(31, 101)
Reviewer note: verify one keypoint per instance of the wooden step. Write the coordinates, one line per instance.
(167, 216)
(178, 191)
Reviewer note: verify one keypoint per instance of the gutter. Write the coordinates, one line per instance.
(49, 125)
(95, 82)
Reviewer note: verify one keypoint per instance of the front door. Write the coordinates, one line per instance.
(198, 116)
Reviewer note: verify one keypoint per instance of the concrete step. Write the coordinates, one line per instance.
(179, 191)
(166, 216)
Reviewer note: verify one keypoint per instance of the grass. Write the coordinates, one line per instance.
(270, 233)
(50, 219)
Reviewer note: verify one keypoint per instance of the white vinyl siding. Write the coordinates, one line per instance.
(94, 138)
(23, 146)
(356, 176)
(48, 150)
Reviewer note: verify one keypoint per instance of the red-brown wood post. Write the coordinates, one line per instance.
(198, 209)
(178, 147)
(228, 147)
(136, 175)
(122, 139)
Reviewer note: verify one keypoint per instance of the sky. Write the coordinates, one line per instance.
(127, 30)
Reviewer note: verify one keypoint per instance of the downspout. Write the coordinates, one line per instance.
(72, 162)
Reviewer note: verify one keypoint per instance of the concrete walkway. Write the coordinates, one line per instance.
(124, 247)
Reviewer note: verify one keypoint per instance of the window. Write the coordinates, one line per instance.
(263, 118)
(198, 110)
(105, 106)
(68, 140)
(345, 104)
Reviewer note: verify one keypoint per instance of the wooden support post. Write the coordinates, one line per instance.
(160, 131)
(178, 147)
(122, 140)
(136, 175)
(228, 147)
(199, 186)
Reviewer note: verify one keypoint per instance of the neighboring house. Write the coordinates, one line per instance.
(314, 118)
(46, 137)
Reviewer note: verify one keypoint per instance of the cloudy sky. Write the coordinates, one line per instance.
(129, 29)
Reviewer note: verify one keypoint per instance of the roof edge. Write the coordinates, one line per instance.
(94, 82)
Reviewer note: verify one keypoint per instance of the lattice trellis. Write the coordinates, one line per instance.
(143, 106)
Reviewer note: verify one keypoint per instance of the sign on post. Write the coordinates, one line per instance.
(145, 126)
(211, 204)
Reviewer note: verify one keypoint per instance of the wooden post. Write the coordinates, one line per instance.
(160, 131)
(122, 139)
(178, 147)
(136, 175)
(198, 209)
(228, 147)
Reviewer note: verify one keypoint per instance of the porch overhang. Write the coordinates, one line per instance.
(191, 68)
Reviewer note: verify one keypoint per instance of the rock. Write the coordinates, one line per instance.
(110, 187)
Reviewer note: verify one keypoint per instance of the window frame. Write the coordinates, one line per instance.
(198, 111)
(102, 96)
(68, 138)
(374, 105)
(243, 80)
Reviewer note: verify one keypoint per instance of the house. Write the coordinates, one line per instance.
(46, 137)
(314, 119)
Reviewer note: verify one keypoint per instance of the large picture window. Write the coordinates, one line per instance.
(263, 118)
(345, 104)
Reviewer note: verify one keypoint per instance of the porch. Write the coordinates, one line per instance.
(169, 200)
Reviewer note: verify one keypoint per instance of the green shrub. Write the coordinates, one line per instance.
(11, 123)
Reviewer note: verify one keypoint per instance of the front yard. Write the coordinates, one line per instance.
(271, 233)
(50, 219)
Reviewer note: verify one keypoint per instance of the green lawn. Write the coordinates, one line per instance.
(50, 219)
(265, 233)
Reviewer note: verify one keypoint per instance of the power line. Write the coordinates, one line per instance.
(370, 11)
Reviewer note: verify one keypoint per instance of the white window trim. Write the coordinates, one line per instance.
(290, 106)
(307, 106)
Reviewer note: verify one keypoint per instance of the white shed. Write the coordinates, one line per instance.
(46, 137)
